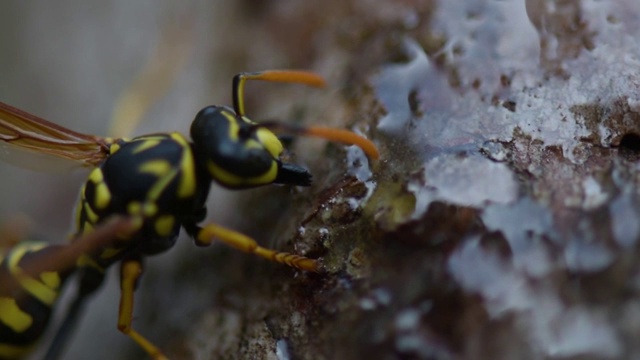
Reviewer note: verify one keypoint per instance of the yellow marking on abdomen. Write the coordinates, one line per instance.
(8, 351)
(51, 279)
(12, 316)
(34, 287)
(37, 289)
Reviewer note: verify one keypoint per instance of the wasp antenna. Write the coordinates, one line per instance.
(66, 328)
(336, 135)
(345, 137)
(290, 76)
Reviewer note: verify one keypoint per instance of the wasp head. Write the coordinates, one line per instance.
(238, 153)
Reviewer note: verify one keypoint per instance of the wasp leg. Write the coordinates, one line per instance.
(66, 328)
(90, 280)
(130, 272)
(62, 259)
(206, 235)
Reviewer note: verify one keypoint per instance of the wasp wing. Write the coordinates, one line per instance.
(31, 133)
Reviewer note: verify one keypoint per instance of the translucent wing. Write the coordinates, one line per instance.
(31, 133)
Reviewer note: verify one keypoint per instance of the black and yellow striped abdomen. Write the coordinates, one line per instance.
(25, 311)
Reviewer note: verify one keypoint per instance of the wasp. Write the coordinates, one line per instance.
(161, 182)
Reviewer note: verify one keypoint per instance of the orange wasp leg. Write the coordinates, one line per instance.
(244, 243)
(130, 272)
